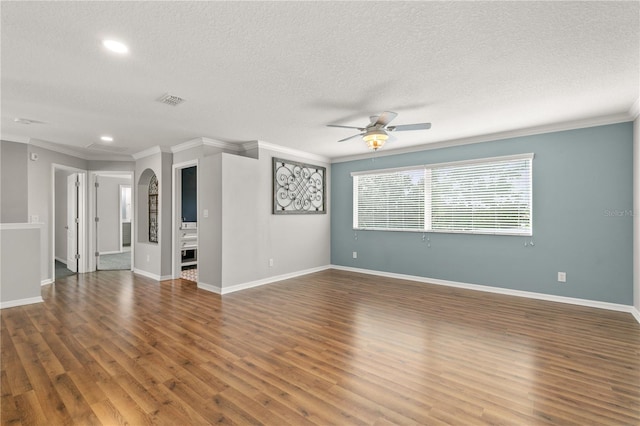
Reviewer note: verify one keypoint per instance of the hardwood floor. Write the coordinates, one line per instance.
(333, 347)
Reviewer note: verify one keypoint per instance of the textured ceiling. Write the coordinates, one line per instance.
(280, 71)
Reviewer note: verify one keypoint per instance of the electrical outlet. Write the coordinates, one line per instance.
(562, 277)
(270, 263)
(355, 254)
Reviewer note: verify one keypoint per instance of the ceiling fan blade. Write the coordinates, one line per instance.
(345, 127)
(404, 127)
(350, 137)
(385, 118)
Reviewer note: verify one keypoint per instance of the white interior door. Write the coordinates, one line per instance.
(72, 225)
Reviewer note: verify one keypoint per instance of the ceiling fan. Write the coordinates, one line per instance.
(375, 133)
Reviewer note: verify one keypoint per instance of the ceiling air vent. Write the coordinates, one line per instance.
(171, 100)
(108, 148)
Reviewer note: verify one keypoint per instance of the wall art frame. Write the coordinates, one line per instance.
(298, 188)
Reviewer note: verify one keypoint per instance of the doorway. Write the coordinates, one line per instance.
(113, 207)
(68, 230)
(185, 220)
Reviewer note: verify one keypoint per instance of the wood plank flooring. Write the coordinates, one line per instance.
(332, 347)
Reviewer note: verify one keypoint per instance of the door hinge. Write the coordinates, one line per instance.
(77, 220)
(77, 183)
(77, 255)
(97, 219)
(96, 184)
(97, 254)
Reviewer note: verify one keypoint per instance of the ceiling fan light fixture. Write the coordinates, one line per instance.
(375, 138)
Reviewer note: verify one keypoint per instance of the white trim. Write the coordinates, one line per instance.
(209, 287)
(193, 143)
(202, 141)
(269, 280)
(84, 264)
(62, 149)
(78, 152)
(497, 290)
(4, 226)
(63, 261)
(489, 137)
(21, 302)
(636, 314)
(176, 178)
(14, 138)
(634, 110)
(150, 151)
(387, 171)
(47, 281)
(500, 159)
(284, 150)
(222, 145)
(146, 274)
(111, 252)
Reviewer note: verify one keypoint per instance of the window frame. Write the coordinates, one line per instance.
(428, 228)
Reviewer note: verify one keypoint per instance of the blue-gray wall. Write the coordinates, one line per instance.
(582, 222)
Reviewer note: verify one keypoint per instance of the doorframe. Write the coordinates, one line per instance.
(93, 247)
(176, 193)
(82, 219)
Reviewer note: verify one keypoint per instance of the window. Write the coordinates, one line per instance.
(486, 196)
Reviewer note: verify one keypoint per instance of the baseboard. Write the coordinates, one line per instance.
(636, 313)
(209, 287)
(111, 252)
(166, 277)
(146, 274)
(21, 302)
(47, 281)
(257, 283)
(61, 260)
(498, 290)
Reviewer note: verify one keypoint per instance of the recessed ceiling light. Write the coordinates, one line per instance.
(115, 46)
(106, 138)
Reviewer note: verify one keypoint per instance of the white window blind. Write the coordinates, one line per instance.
(486, 196)
(391, 201)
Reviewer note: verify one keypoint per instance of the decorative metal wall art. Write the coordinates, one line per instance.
(298, 188)
(153, 209)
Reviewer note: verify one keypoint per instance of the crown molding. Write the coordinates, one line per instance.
(59, 148)
(229, 146)
(66, 149)
(285, 150)
(634, 110)
(529, 131)
(14, 138)
(192, 143)
(202, 141)
(150, 151)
